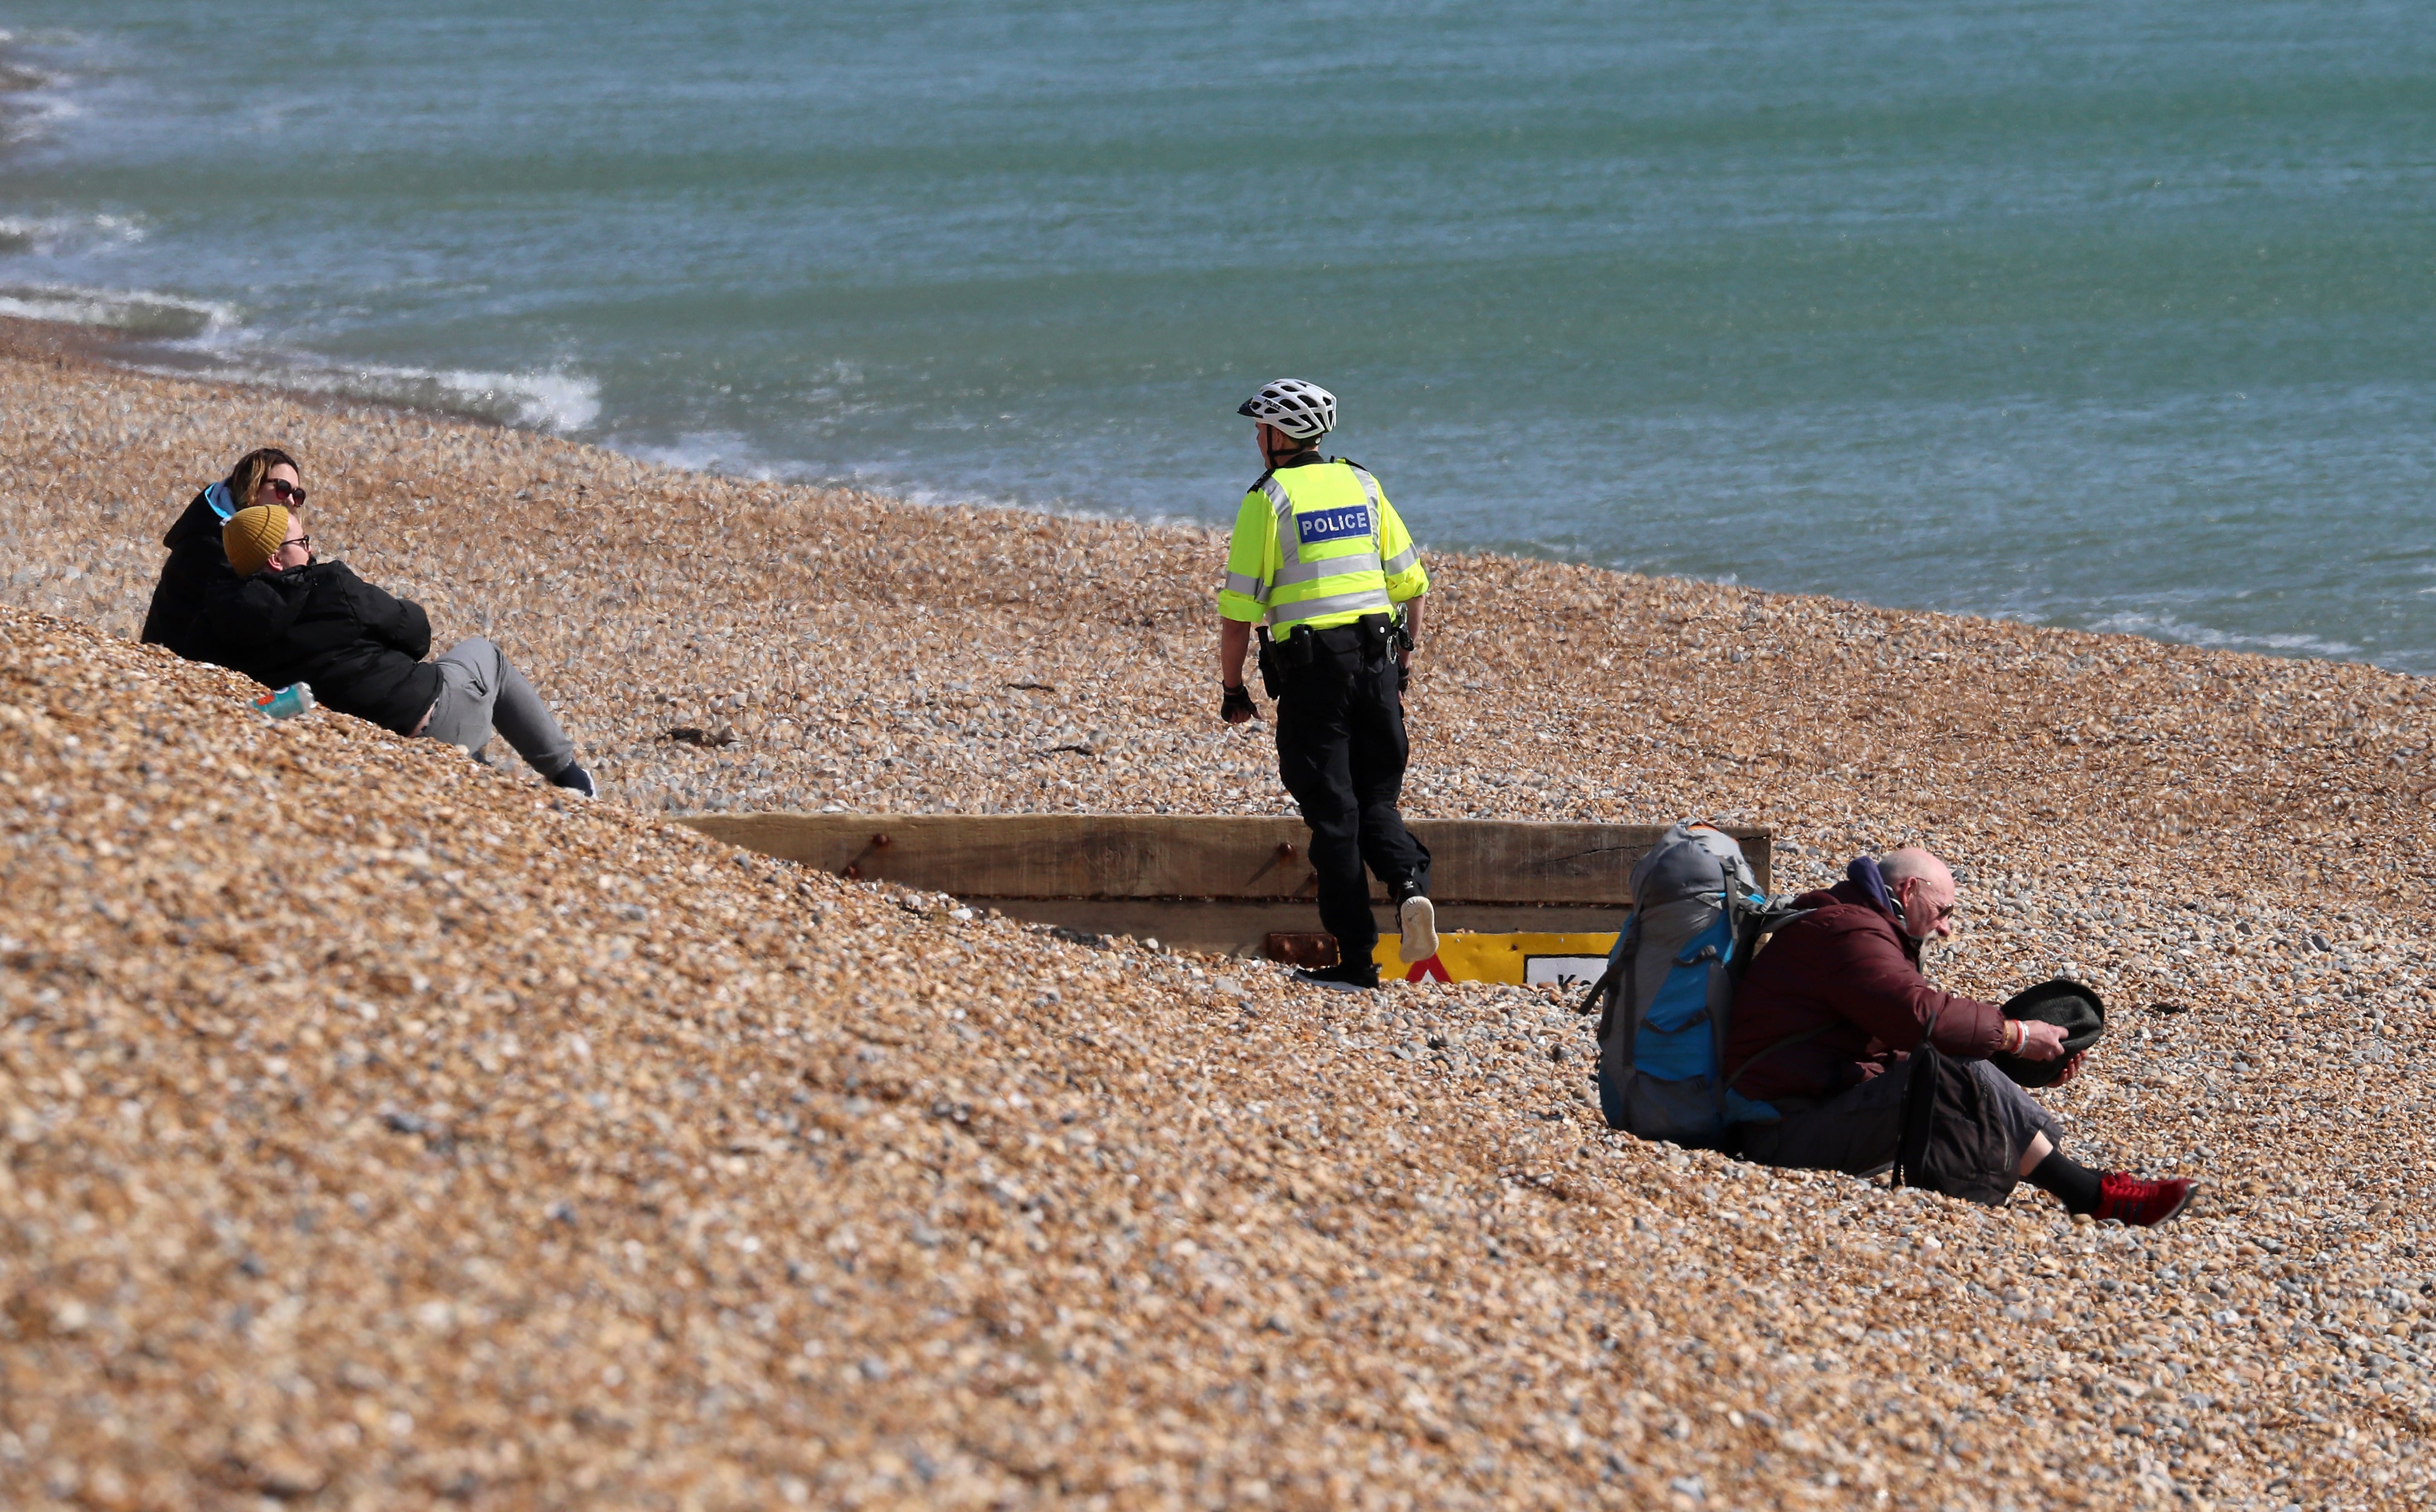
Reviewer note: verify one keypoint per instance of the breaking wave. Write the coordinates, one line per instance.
(2170, 627)
(544, 400)
(142, 315)
(173, 336)
(45, 235)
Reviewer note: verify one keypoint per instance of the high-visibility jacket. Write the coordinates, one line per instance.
(1320, 545)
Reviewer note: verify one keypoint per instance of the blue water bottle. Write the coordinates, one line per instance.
(296, 697)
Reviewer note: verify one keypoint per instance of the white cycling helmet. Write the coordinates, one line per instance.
(1304, 410)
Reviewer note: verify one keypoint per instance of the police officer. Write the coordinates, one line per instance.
(1320, 556)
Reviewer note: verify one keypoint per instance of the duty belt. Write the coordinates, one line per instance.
(1371, 635)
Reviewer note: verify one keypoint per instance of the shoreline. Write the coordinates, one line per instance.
(122, 350)
(832, 577)
(462, 1095)
(109, 347)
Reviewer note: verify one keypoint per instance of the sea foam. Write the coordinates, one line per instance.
(547, 399)
(2172, 626)
(192, 337)
(137, 313)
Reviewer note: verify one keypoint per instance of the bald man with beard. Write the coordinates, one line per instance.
(1826, 1022)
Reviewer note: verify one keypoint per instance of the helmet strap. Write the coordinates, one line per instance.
(1293, 446)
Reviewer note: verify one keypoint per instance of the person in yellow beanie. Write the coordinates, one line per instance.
(285, 618)
(252, 536)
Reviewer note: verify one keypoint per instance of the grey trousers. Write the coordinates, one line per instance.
(478, 689)
(1857, 1132)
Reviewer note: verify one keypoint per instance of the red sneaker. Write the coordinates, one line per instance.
(2141, 1203)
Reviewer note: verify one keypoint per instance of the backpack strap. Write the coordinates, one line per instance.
(1920, 1108)
(1611, 981)
(1758, 923)
(1598, 989)
(1725, 975)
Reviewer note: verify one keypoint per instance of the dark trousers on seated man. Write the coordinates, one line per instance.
(1341, 752)
(1858, 1131)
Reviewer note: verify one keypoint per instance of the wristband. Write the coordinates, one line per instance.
(2015, 1036)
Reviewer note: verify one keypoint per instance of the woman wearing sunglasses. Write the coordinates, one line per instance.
(264, 476)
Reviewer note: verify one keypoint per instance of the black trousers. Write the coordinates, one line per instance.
(1341, 752)
(1857, 1130)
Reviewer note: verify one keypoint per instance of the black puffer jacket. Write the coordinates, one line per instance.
(360, 649)
(197, 560)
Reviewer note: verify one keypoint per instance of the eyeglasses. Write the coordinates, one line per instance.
(288, 491)
(306, 542)
(1940, 915)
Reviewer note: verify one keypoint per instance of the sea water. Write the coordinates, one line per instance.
(2115, 314)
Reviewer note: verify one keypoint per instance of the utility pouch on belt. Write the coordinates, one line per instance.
(1271, 681)
(1297, 651)
(1378, 636)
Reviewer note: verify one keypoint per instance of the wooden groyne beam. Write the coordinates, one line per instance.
(1213, 882)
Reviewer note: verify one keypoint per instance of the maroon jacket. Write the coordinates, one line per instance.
(1848, 969)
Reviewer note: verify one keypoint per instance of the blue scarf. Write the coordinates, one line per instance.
(1872, 883)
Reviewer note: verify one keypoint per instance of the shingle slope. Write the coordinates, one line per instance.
(382, 1131)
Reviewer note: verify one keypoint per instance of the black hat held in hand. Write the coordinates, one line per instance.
(2068, 1005)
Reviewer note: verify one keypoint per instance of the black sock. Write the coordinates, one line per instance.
(2073, 1184)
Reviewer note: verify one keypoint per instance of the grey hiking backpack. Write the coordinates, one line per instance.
(1667, 998)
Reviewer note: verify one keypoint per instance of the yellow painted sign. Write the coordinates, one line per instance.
(1568, 960)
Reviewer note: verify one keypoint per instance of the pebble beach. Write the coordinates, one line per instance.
(385, 1131)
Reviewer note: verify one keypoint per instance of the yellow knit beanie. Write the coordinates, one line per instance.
(253, 537)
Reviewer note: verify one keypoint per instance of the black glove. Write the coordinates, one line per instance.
(1404, 677)
(1238, 700)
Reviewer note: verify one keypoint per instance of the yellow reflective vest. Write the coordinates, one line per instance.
(1320, 545)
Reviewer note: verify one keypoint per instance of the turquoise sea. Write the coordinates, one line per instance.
(2112, 314)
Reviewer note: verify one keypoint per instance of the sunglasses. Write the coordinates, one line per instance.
(1940, 916)
(288, 491)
